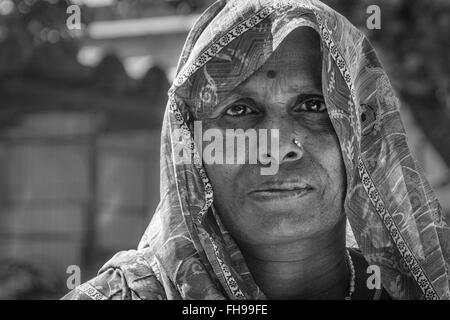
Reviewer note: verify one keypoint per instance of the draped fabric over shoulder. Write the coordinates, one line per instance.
(186, 252)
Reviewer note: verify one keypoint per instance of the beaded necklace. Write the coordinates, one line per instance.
(350, 265)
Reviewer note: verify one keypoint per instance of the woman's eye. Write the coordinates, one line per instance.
(311, 105)
(238, 110)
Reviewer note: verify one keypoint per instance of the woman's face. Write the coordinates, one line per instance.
(305, 197)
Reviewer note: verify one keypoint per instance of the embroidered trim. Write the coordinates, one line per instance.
(337, 114)
(409, 258)
(91, 292)
(231, 282)
(173, 108)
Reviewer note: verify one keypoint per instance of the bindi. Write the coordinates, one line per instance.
(271, 74)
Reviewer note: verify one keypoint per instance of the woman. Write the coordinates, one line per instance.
(226, 231)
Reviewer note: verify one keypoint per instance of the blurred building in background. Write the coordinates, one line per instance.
(81, 113)
(80, 121)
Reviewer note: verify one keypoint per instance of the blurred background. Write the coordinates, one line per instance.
(81, 111)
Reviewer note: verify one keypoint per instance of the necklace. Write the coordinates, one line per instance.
(351, 289)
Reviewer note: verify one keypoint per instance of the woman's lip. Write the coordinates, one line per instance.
(280, 186)
(280, 193)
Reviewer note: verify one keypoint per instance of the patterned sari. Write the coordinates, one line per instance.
(187, 253)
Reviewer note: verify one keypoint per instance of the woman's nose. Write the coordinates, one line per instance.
(291, 149)
(290, 138)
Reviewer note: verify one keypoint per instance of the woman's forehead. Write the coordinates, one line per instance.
(301, 44)
(297, 62)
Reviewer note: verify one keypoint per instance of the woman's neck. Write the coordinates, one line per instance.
(312, 268)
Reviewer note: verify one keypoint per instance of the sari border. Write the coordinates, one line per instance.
(231, 282)
(91, 292)
(406, 253)
(217, 45)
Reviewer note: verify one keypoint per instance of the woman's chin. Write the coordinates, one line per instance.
(291, 229)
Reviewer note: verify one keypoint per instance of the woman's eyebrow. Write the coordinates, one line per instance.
(243, 91)
(234, 96)
(301, 87)
(304, 96)
(227, 100)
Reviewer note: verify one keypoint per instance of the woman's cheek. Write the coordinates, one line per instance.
(337, 170)
(222, 180)
(327, 152)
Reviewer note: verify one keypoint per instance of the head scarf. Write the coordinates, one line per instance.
(393, 213)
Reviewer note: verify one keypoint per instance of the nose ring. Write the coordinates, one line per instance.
(297, 143)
